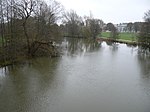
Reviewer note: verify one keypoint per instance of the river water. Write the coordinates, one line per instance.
(89, 77)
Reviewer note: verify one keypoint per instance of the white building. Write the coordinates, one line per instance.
(122, 27)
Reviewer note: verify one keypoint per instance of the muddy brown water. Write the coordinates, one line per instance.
(88, 78)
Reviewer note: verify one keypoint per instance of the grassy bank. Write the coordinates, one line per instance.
(124, 36)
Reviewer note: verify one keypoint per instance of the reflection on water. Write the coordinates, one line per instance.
(81, 46)
(89, 77)
(144, 63)
(3, 70)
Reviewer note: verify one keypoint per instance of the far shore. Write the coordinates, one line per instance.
(129, 42)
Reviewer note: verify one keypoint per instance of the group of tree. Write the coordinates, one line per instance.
(134, 27)
(144, 35)
(77, 26)
(25, 22)
(113, 30)
(25, 25)
(143, 31)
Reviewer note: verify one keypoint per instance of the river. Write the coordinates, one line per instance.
(89, 77)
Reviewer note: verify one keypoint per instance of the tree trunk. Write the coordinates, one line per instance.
(27, 37)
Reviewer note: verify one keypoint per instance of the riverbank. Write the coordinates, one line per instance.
(122, 35)
(143, 46)
(22, 60)
(20, 55)
(129, 42)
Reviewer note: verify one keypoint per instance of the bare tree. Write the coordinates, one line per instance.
(24, 9)
(144, 36)
(114, 32)
(46, 16)
(95, 26)
(109, 26)
(137, 26)
(147, 16)
(130, 26)
(19, 19)
(73, 23)
(1, 24)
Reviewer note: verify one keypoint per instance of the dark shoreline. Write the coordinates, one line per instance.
(58, 54)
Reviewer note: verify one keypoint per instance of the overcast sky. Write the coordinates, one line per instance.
(115, 11)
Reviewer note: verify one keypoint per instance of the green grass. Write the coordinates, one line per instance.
(128, 36)
(122, 36)
(105, 34)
